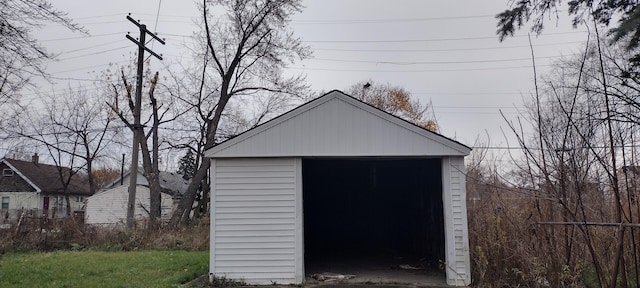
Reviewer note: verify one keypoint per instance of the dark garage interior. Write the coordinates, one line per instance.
(372, 211)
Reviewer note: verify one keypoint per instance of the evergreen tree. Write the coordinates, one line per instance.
(187, 165)
(535, 12)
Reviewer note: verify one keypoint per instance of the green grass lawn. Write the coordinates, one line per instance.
(102, 269)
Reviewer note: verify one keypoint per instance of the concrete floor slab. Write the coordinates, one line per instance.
(374, 271)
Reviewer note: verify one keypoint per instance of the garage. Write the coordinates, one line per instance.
(336, 183)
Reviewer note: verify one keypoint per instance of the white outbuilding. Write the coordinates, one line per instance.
(109, 207)
(334, 183)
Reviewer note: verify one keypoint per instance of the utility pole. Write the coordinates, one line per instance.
(138, 132)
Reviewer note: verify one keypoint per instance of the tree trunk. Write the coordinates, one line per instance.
(204, 199)
(150, 161)
(183, 211)
(90, 178)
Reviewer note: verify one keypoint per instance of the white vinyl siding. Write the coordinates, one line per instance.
(337, 125)
(110, 206)
(457, 260)
(256, 227)
(256, 185)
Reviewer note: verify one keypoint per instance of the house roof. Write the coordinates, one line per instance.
(336, 125)
(45, 178)
(173, 183)
(170, 182)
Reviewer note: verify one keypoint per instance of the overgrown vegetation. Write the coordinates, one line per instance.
(567, 214)
(66, 234)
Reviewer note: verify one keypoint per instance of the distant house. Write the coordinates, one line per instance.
(171, 183)
(109, 206)
(35, 187)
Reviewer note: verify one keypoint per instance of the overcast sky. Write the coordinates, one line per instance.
(443, 52)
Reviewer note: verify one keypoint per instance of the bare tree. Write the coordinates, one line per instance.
(21, 56)
(75, 128)
(582, 116)
(60, 145)
(87, 119)
(149, 157)
(245, 52)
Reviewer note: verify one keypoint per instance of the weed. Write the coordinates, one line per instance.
(223, 281)
(66, 234)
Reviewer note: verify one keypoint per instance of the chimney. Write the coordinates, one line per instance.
(35, 158)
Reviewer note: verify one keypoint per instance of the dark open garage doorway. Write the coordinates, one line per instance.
(374, 216)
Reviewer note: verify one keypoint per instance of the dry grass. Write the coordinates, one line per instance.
(67, 234)
(510, 248)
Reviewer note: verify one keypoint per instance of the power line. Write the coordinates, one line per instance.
(82, 37)
(90, 47)
(548, 149)
(419, 71)
(413, 40)
(432, 62)
(155, 27)
(309, 21)
(464, 93)
(446, 50)
(75, 79)
(99, 16)
(89, 67)
(94, 53)
(431, 40)
(476, 107)
(388, 20)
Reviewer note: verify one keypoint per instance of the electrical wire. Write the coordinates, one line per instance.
(82, 37)
(419, 71)
(433, 62)
(94, 53)
(431, 40)
(446, 50)
(389, 20)
(90, 47)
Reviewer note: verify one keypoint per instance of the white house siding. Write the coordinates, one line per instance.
(256, 216)
(19, 201)
(110, 206)
(32, 202)
(457, 260)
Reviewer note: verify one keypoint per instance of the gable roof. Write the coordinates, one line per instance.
(170, 183)
(335, 125)
(46, 178)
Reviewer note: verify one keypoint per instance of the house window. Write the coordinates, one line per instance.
(5, 202)
(79, 199)
(7, 172)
